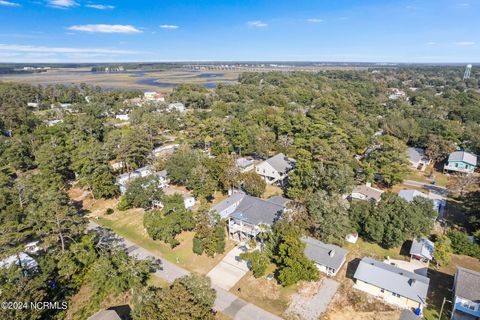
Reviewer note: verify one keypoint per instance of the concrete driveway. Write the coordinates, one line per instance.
(230, 270)
(226, 302)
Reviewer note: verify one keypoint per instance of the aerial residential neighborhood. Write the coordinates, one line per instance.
(249, 160)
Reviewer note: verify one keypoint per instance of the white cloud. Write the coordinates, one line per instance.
(40, 49)
(464, 43)
(100, 6)
(169, 26)
(257, 24)
(431, 43)
(8, 3)
(314, 20)
(105, 28)
(464, 4)
(62, 3)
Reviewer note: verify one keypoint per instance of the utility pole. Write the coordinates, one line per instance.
(441, 309)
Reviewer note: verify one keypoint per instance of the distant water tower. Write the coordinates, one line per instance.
(468, 70)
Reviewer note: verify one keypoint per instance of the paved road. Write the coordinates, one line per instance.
(430, 187)
(226, 302)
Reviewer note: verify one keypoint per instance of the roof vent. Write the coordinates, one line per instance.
(412, 282)
(331, 253)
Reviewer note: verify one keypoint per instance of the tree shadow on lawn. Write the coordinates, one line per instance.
(440, 287)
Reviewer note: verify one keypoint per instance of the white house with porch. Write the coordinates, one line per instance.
(247, 216)
(422, 250)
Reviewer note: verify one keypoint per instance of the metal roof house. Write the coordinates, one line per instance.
(466, 300)
(245, 165)
(422, 250)
(461, 161)
(247, 214)
(410, 194)
(275, 169)
(392, 284)
(328, 258)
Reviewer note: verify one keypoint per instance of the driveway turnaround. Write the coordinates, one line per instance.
(308, 307)
(230, 270)
(226, 302)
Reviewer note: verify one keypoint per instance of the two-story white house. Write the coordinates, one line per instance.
(466, 295)
(274, 170)
(124, 179)
(247, 216)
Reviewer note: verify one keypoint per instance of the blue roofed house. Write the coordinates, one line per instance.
(466, 295)
(461, 161)
(393, 285)
(247, 215)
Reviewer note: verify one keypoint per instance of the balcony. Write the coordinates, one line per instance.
(463, 312)
(243, 228)
(457, 169)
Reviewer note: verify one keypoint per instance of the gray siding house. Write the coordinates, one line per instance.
(466, 299)
(328, 258)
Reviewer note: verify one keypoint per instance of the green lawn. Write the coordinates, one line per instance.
(364, 248)
(129, 224)
(440, 178)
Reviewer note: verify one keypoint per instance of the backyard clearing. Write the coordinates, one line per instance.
(230, 270)
(312, 301)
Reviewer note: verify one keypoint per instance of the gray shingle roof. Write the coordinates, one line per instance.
(423, 248)
(278, 200)
(225, 204)
(320, 253)
(280, 163)
(416, 154)
(257, 211)
(393, 279)
(467, 284)
(463, 156)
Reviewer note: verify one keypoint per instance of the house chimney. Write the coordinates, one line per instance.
(412, 282)
(331, 253)
(368, 184)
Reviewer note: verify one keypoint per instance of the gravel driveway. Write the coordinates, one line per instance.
(308, 307)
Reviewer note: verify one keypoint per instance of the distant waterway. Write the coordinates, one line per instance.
(210, 75)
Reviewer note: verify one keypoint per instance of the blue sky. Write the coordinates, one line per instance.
(247, 30)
